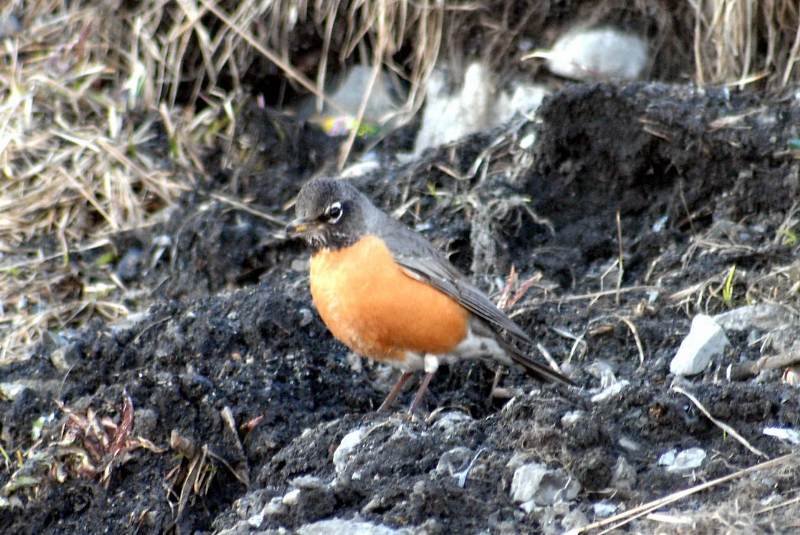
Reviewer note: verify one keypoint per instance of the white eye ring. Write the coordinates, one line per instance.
(334, 212)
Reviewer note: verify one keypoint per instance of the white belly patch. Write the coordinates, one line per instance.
(473, 347)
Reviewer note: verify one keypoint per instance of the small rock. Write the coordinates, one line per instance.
(688, 459)
(538, 483)
(705, 340)
(338, 526)
(274, 507)
(574, 520)
(667, 458)
(58, 358)
(604, 509)
(256, 520)
(764, 316)
(10, 391)
(342, 453)
(628, 443)
(453, 461)
(130, 264)
(448, 422)
(306, 317)
(307, 483)
(603, 371)
(624, 475)
(291, 498)
(791, 376)
(572, 417)
(781, 433)
(611, 391)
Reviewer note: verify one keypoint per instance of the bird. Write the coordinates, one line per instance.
(390, 295)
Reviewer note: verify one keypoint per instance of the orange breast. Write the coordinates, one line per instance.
(371, 305)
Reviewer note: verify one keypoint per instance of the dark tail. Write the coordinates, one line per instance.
(538, 371)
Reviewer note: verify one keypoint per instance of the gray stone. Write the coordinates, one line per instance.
(705, 340)
(542, 485)
(338, 526)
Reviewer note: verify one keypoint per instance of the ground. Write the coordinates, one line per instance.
(243, 397)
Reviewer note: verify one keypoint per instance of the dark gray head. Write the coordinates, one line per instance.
(331, 213)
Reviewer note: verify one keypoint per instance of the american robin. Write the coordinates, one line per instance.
(388, 294)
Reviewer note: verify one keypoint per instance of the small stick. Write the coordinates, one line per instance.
(722, 425)
(621, 270)
(626, 517)
(636, 338)
(750, 368)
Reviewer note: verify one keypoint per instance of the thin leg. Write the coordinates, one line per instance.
(498, 374)
(423, 388)
(395, 391)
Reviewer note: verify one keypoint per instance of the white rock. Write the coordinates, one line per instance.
(611, 391)
(338, 526)
(782, 433)
(291, 498)
(274, 507)
(538, 483)
(705, 340)
(597, 54)
(764, 316)
(450, 421)
(478, 106)
(574, 520)
(453, 461)
(342, 453)
(256, 520)
(688, 459)
(573, 417)
(668, 458)
(604, 509)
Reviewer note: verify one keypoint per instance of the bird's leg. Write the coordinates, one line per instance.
(423, 388)
(497, 391)
(395, 391)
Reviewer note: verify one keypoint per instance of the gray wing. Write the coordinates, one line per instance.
(424, 262)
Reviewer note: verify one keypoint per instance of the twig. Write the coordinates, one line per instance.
(626, 517)
(548, 357)
(636, 338)
(751, 368)
(722, 425)
(621, 270)
(796, 499)
(601, 293)
(245, 208)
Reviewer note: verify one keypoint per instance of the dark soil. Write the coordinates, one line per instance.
(231, 328)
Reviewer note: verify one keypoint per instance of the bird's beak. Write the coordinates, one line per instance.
(298, 227)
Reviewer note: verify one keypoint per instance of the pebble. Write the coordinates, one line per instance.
(688, 459)
(535, 482)
(342, 453)
(705, 340)
(338, 526)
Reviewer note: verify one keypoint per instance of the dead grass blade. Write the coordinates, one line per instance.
(617, 521)
(722, 425)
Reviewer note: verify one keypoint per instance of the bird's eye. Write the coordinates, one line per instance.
(334, 212)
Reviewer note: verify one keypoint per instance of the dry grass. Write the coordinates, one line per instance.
(741, 41)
